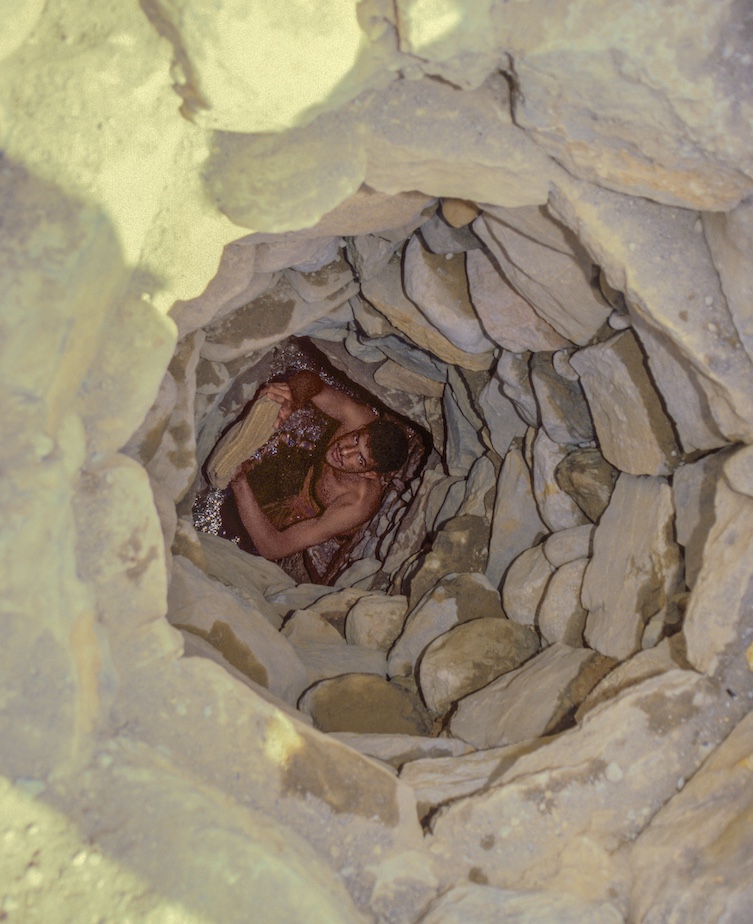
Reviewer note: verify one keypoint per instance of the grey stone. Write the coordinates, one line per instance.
(589, 479)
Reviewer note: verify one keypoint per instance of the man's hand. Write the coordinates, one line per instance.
(279, 392)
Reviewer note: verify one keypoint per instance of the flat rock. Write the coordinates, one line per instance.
(393, 375)
(634, 432)
(250, 575)
(456, 598)
(376, 620)
(369, 254)
(556, 282)
(363, 703)
(693, 489)
(513, 371)
(516, 524)
(668, 655)
(195, 646)
(460, 546)
(437, 780)
(500, 416)
(562, 404)
(508, 318)
(693, 860)
(589, 479)
(556, 508)
(604, 779)
(463, 444)
(469, 656)
(719, 611)
(398, 750)
(525, 584)
(235, 628)
(385, 292)
(561, 615)
(636, 565)
(441, 237)
(483, 904)
(323, 283)
(530, 701)
(568, 544)
(438, 285)
(326, 659)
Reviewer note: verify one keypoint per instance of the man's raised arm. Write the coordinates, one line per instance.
(307, 386)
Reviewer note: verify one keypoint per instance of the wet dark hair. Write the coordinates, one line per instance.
(388, 444)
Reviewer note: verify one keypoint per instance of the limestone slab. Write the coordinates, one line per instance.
(442, 237)
(469, 656)
(516, 524)
(456, 598)
(561, 617)
(386, 294)
(556, 508)
(376, 620)
(513, 371)
(240, 632)
(500, 416)
(506, 711)
(562, 406)
(568, 544)
(634, 432)
(438, 285)
(365, 704)
(589, 479)
(398, 750)
(525, 584)
(636, 566)
(508, 319)
(556, 282)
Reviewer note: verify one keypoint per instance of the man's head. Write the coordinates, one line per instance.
(373, 449)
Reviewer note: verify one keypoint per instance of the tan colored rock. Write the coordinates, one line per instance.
(410, 534)
(326, 659)
(438, 285)
(365, 704)
(634, 432)
(392, 375)
(667, 728)
(694, 855)
(369, 254)
(693, 489)
(398, 750)
(730, 236)
(321, 284)
(635, 240)
(719, 610)
(530, 701)
(681, 390)
(525, 584)
(469, 656)
(618, 116)
(636, 567)
(516, 524)
(668, 655)
(484, 905)
(376, 620)
(459, 212)
(589, 479)
(556, 508)
(369, 211)
(555, 280)
(500, 416)
(419, 139)
(562, 404)
(385, 292)
(275, 252)
(507, 318)
(268, 319)
(569, 544)
(561, 616)
(250, 575)
(513, 372)
(236, 629)
(456, 598)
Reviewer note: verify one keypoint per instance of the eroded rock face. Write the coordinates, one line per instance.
(582, 357)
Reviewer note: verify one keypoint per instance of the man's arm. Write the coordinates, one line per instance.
(342, 516)
(307, 386)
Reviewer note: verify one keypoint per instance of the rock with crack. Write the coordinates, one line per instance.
(556, 508)
(506, 711)
(514, 373)
(469, 656)
(636, 568)
(525, 584)
(589, 479)
(398, 749)
(568, 544)
(562, 406)
(561, 616)
(376, 620)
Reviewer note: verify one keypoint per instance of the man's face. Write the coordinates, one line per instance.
(351, 453)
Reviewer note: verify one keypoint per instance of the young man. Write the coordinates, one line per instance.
(341, 491)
